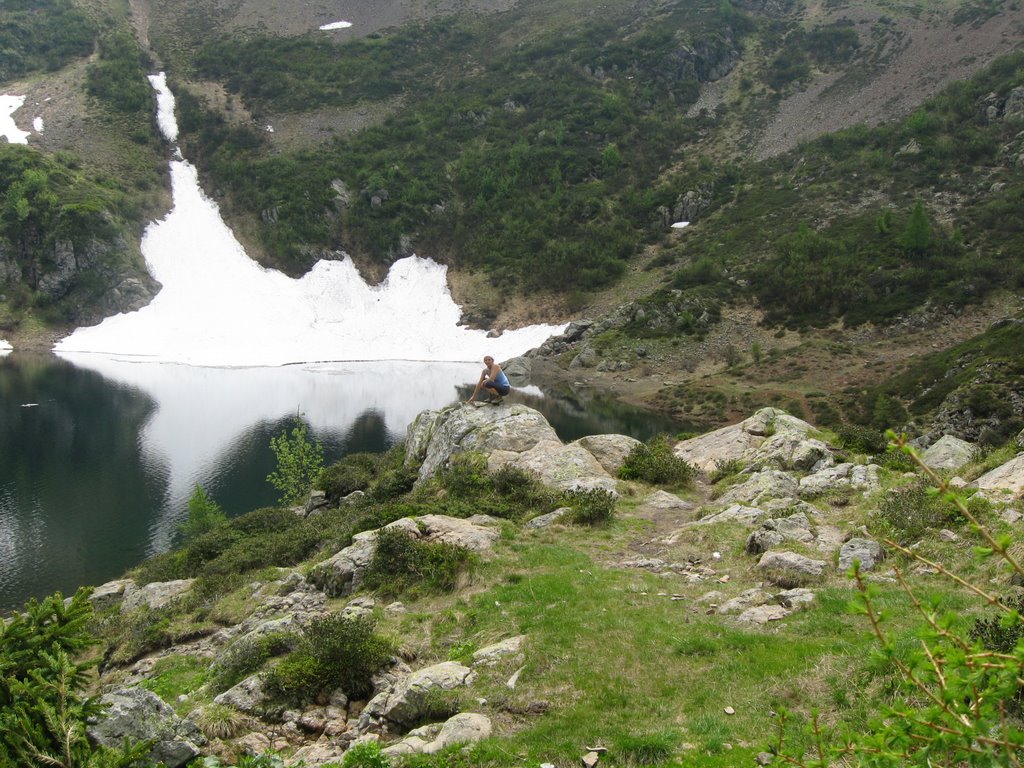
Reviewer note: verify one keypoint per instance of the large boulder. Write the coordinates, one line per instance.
(769, 436)
(789, 569)
(760, 487)
(464, 728)
(949, 452)
(140, 715)
(1005, 482)
(247, 696)
(435, 436)
(609, 450)
(865, 551)
(861, 477)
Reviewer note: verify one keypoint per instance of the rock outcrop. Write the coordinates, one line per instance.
(518, 436)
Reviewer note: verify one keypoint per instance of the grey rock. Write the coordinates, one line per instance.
(858, 476)
(247, 696)
(763, 540)
(140, 715)
(110, 594)
(543, 521)
(609, 450)
(565, 467)
(762, 614)
(435, 436)
(492, 654)
(789, 568)
(405, 702)
(761, 487)
(748, 599)
(869, 553)
(156, 594)
(949, 452)
(1004, 483)
(795, 598)
(739, 513)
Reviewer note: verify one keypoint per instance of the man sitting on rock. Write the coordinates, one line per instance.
(494, 380)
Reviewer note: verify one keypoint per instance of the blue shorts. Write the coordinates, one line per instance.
(497, 388)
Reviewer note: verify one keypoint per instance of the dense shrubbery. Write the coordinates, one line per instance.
(118, 76)
(541, 180)
(654, 462)
(48, 200)
(42, 34)
(905, 514)
(332, 652)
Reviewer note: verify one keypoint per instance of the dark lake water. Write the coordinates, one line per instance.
(98, 457)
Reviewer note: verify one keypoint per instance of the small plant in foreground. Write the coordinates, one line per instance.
(653, 462)
(299, 463)
(955, 698)
(365, 755)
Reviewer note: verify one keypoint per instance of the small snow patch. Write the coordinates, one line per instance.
(335, 25)
(681, 225)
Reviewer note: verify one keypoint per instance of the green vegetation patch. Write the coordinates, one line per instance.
(42, 35)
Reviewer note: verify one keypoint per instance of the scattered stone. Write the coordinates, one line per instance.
(511, 683)
(590, 759)
(738, 513)
(748, 599)
(247, 696)
(868, 552)
(408, 699)
(729, 711)
(543, 521)
(492, 654)
(764, 758)
(948, 536)
(795, 598)
(788, 569)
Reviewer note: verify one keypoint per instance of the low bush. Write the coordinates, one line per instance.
(904, 514)
(858, 439)
(653, 462)
(333, 652)
(592, 507)
(343, 478)
(465, 475)
(402, 564)
(247, 656)
(365, 755)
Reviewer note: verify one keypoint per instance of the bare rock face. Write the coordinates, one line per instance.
(566, 467)
(157, 594)
(609, 450)
(408, 699)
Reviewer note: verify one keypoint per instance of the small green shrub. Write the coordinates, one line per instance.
(725, 469)
(1001, 632)
(465, 475)
(333, 652)
(393, 483)
(904, 514)
(204, 514)
(299, 463)
(246, 656)
(653, 462)
(343, 478)
(592, 507)
(401, 564)
(217, 721)
(858, 439)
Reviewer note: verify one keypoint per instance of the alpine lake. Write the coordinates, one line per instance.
(98, 457)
